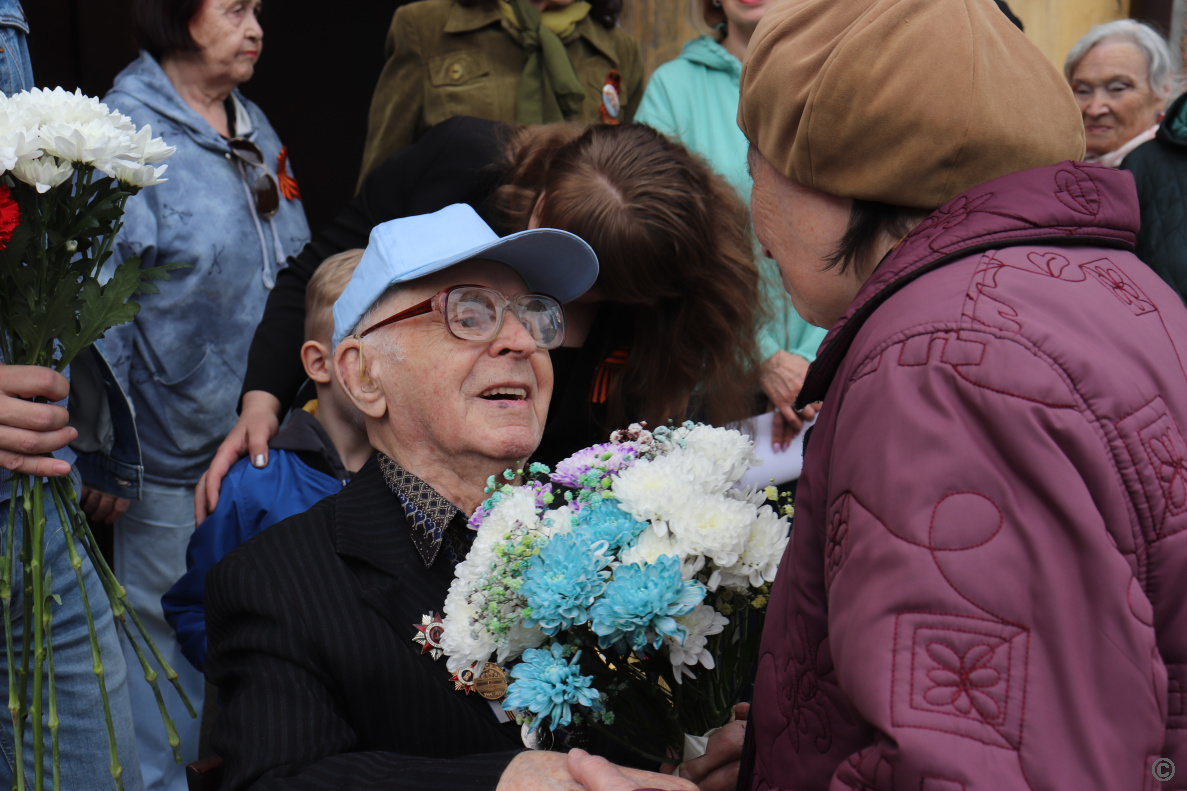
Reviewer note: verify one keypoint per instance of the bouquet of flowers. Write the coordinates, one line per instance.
(67, 168)
(624, 588)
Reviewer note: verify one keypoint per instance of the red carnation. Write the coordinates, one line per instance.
(10, 216)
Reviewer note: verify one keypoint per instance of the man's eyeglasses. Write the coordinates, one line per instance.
(265, 190)
(474, 313)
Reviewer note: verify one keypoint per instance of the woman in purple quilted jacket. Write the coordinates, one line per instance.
(986, 588)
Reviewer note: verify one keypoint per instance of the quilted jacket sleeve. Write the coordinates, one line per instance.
(983, 611)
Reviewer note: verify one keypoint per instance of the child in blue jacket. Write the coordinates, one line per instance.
(316, 452)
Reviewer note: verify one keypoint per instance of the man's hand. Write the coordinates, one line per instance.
(29, 430)
(598, 774)
(100, 507)
(717, 769)
(259, 420)
(782, 378)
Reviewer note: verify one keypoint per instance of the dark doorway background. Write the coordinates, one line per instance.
(314, 80)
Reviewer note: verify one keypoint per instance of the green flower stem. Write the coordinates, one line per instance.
(53, 721)
(39, 635)
(170, 673)
(26, 644)
(14, 702)
(112, 586)
(117, 771)
(150, 676)
(120, 608)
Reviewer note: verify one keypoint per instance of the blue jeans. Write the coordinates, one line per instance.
(85, 761)
(150, 544)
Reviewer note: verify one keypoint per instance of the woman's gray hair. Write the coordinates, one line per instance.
(1145, 38)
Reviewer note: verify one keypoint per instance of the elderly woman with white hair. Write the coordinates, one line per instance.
(1122, 76)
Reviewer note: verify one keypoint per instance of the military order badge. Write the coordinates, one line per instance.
(428, 635)
(611, 97)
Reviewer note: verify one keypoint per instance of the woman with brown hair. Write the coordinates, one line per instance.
(694, 98)
(669, 331)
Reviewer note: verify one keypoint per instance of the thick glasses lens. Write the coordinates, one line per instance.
(544, 319)
(474, 314)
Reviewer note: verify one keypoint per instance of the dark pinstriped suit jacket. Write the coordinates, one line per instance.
(310, 629)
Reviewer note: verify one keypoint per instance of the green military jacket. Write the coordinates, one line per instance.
(445, 60)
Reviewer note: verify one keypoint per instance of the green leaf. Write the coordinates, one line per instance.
(103, 307)
(161, 272)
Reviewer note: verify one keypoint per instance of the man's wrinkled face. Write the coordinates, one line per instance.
(452, 398)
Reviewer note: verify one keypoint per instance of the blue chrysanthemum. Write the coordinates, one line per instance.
(641, 604)
(548, 686)
(603, 520)
(562, 582)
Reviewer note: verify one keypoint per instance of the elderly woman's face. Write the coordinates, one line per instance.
(462, 398)
(229, 37)
(798, 228)
(1112, 87)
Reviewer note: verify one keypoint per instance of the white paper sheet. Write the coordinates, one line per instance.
(781, 467)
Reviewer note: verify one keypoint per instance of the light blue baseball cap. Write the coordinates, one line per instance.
(551, 262)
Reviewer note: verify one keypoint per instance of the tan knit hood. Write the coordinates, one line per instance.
(907, 102)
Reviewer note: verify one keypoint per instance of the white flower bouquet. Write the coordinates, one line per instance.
(67, 168)
(623, 589)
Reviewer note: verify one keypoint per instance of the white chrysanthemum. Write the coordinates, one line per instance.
(755, 494)
(765, 544)
(137, 175)
(700, 624)
(57, 104)
(466, 639)
(520, 639)
(146, 149)
(17, 141)
(96, 143)
(652, 489)
(79, 129)
(650, 545)
(713, 526)
(732, 451)
(558, 521)
(42, 173)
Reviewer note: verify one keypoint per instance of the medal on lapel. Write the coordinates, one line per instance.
(491, 683)
(428, 635)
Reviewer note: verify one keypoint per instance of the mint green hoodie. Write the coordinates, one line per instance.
(695, 100)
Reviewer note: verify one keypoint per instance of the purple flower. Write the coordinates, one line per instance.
(604, 458)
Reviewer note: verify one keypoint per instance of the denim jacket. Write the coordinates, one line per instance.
(16, 71)
(183, 358)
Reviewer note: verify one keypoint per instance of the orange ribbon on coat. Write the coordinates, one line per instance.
(288, 184)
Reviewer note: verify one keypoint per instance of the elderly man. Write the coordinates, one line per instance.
(311, 624)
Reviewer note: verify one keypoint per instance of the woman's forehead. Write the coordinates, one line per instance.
(1111, 58)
